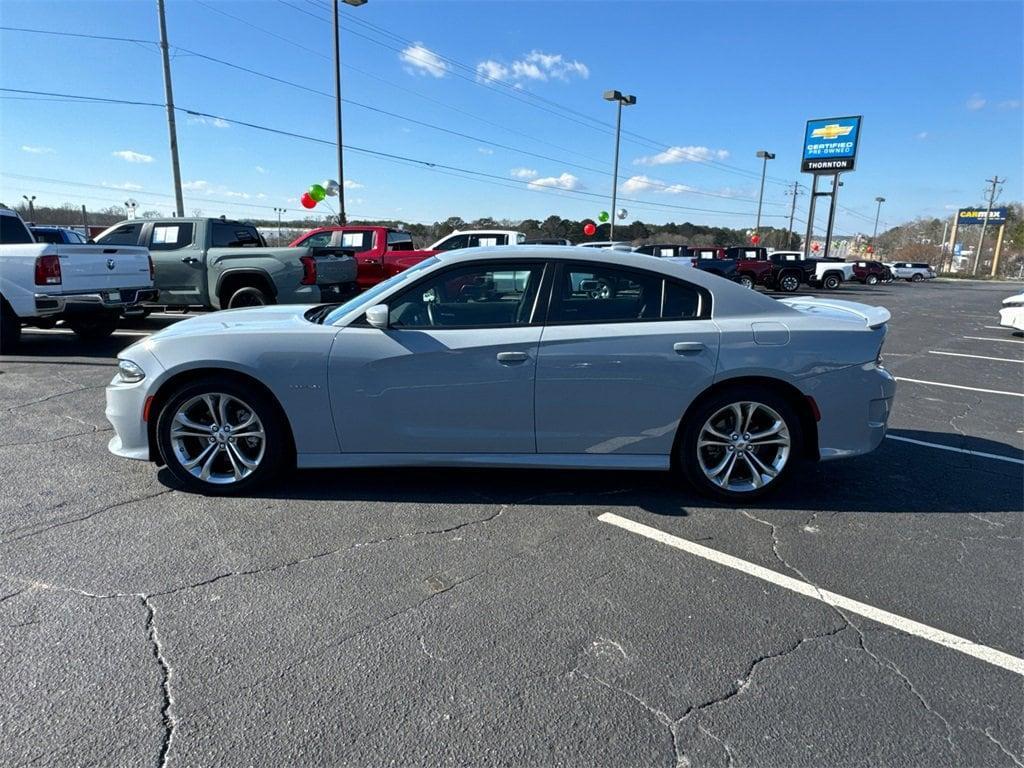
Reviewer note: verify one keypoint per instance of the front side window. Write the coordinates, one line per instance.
(476, 241)
(600, 294)
(453, 243)
(170, 237)
(126, 234)
(399, 241)
(319, 240)
(472, 296)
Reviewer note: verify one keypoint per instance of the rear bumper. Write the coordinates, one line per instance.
(59, 303)
(1012, 317)
(855, 404)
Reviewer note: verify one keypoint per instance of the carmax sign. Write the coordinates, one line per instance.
(830, 145)
(968, 216)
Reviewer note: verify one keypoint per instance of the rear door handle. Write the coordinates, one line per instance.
(512, 357)
(686, 347)
(190, 260)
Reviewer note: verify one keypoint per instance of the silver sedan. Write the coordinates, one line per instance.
(567, 358)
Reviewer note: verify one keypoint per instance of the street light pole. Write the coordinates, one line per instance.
(878, 212)
(337, 105)
(279, 211)
(622, 100)
(765, 156)
(31, 207)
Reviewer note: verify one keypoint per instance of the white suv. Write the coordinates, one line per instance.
(912, 271)
(473, 238)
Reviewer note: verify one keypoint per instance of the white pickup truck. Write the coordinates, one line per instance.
(87, 286)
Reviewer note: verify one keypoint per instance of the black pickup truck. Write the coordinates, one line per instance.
(706, 259)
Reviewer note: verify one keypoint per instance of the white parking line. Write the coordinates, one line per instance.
(909, 626)
(976, 357)
(984, 455)
(988, 338)
(69, 332)
(958, 386)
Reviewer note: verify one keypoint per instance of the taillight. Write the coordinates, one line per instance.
(308, 270)
(47, 270)
(152, 271)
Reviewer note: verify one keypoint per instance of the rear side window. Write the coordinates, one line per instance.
(170, 237)
(357, 241)
(47, 236)
(126, 234)
(228, 235)
(598, 294)
(13, 232)
(453, 243)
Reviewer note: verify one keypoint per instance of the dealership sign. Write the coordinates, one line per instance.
(830, 145)
(966, 216)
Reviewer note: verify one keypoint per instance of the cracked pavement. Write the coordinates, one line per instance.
(427, 617)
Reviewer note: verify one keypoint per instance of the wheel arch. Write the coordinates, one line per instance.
(230, 280)
(166, 389)
(800, 402)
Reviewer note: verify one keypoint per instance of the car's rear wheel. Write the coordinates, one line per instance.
(249, 296)
(218, 437)
(10, 328)
(94, 326)
(740, 443)
(789, 282)
(916, 278)
(746, 281)
(831, 282)
(871, 280)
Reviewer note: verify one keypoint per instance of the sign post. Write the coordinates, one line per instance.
(830, 148)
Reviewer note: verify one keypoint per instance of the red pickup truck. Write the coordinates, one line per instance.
(380, 252)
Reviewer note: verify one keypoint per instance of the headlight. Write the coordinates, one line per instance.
(129, 372)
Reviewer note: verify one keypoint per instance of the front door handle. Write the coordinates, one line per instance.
(512, 357)
(190, 260)
(687, 347)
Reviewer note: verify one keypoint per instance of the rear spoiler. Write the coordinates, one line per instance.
(873, 317)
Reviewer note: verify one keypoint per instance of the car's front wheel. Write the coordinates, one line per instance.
(250, 296)
(871, 280)
(916, 278)
(746, 281)
(789, 282)
(218, 437)
(740, 443)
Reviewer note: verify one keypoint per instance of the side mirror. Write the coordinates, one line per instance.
(377, 316)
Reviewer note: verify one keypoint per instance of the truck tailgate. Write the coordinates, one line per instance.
(85, 268)
(334, 266)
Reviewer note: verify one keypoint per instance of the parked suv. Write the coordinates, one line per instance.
(912, 271)
(58, 235)
(871, 272)
(752, 265)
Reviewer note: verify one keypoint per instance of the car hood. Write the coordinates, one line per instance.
(1015, 300)
(836, 309)
(249, 320)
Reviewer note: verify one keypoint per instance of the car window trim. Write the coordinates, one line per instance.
(704, 301)
(533, 321)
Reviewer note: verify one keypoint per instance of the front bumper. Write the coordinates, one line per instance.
(114, 300)
(1012, 317)
(855, 404)
(126, 404)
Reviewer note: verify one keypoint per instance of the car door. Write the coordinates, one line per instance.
(453, 372)
(623, 353)
(178, 269)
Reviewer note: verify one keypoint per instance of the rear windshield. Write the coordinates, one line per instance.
(230, 235)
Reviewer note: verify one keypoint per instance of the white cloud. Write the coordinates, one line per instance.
(216, 122)
(423, 61)
(523, 173)
(1008, 104)
(260, 169)
(921, 136)
(565, 181)
(200, 185)
(535, 65)
(976, 102)
(132, 156)
(485, 150)
(690, 154)
(38, 150)
(643, 183)
(351, 184)
(128, 186)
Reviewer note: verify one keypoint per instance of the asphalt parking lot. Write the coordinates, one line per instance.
(431, 617)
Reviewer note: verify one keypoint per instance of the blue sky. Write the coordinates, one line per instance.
(939, 85)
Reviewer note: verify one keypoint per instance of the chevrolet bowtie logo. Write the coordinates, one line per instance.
(831, 131)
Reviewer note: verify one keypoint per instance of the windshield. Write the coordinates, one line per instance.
(369, 298)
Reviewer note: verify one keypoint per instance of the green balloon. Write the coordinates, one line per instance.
(317, 192)
(603, 216)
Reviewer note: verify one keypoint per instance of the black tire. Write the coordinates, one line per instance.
(789, 282)
(10, 328)
(276, 453)
(94, 326)
(746, 281)
(916, 278)
(249, 296)
(686, 457)
(871, 280)
(831, 282)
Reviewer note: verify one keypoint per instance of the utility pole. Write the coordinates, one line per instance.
(792, 211)
(994, 181)
(85, 223)
(31, 207)
(169, 97)
(765, 156)
(342, 219)
(836, 184)
(279, 211)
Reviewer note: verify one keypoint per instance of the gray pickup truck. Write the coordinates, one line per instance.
(222, 264)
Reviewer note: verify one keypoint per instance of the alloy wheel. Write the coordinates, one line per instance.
(789, 283)
(743, 446)
(217, 438)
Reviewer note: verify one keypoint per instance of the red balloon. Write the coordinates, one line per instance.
(589, 229)
(871, 249)
(755, 239)
(815, 247)
(307, 201)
